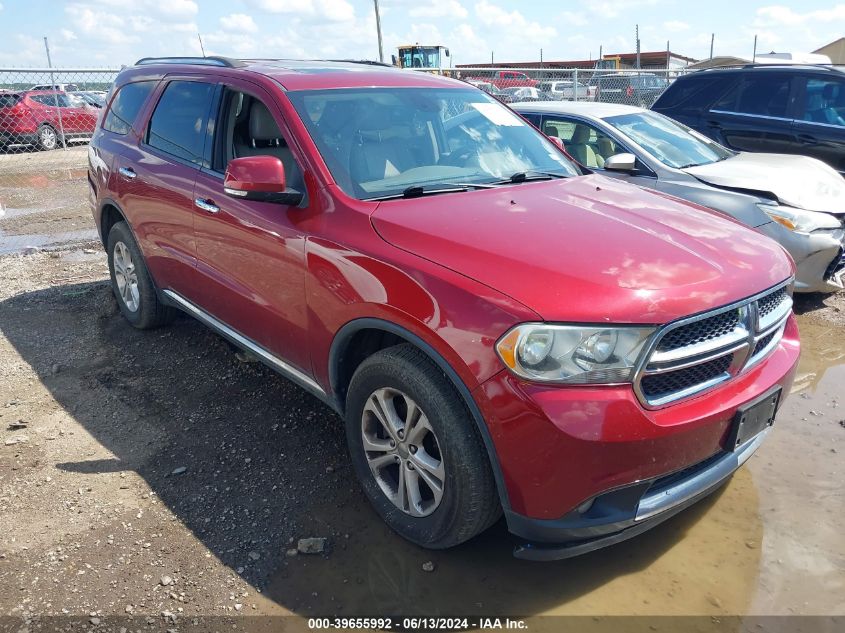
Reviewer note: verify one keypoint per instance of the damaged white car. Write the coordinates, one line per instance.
(797, 200)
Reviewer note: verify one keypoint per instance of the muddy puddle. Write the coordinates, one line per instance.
(27, 242)
(770, 542)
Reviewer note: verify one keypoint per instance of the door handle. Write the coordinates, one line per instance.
(715, 124)
(206, 205)
(127, 172)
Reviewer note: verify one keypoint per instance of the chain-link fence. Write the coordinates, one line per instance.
(539, 83)
(47, 116)
(46, 119)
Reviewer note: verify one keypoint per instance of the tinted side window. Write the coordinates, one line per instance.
(695, 93)
(178, 122)
(52, 100)
(126, 105)
(764, 94)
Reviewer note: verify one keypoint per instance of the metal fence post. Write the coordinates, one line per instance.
(55, 95)
(575, 84)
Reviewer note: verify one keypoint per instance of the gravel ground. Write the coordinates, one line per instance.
(161, 481)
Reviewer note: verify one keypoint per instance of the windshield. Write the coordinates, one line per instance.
(379, 142)
(668, 141)
(420, 57)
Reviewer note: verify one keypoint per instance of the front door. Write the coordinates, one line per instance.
(251, 255)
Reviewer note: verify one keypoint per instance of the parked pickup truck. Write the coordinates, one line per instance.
(498, 330)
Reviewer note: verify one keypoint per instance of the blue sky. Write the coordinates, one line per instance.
(114, 32)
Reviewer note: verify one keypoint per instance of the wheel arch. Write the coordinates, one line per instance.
(360, 338)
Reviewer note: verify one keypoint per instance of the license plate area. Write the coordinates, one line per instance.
(753, 418)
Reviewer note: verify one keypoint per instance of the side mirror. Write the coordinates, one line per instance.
(447, 52)
(557, 141)
(621, 162)
(259, 178)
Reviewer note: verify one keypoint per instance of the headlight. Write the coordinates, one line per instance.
(799, 220)
(573, 354)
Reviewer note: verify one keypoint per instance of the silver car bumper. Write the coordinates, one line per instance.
(819, 257)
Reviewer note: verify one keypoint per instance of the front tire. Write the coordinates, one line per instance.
(416, 450)
(131, 282)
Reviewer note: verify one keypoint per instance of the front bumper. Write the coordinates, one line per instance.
(660, 500)
(819, 257)
(586, 467)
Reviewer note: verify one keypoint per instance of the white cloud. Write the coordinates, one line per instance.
(439, 9)
(334, 10)
(514, 35)
(781, 15)
(675, 26)
(67, 35)
(240, 22)
(1, 6)
(282, 6)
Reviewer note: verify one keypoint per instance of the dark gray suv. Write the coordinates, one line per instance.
(785, 109)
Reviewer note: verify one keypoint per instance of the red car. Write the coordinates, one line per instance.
(500, 332)
(506, 79)
(43, 118)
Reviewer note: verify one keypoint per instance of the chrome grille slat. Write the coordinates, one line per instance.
(698, 353)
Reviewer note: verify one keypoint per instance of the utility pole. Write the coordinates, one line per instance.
(668, 56)
(712, 37)
(378, 30)
(754, 54)
(55, 90)
(637, 32)
(541, 55)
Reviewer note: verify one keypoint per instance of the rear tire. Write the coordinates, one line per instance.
(48, 138)
(449, 490)
(131, 282)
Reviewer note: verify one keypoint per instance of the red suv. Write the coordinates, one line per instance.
(500, 332)
(39, 117)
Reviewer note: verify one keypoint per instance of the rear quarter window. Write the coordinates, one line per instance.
(126, 105)
(9, 100)
(695, 93)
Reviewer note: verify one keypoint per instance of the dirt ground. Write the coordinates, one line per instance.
(156, 479)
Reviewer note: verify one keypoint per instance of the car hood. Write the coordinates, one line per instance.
(588, 249)
(796, 181)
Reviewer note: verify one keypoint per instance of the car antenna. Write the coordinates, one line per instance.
(202, 48)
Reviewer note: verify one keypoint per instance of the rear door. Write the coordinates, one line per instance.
(155, 179)
(757, 115)
(820, 119)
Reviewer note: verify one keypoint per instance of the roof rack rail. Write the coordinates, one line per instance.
(831, 67)
(225, 62)
(369, 62)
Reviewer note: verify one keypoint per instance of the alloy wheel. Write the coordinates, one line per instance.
(403, 452)
(126, 277)
(48, 138)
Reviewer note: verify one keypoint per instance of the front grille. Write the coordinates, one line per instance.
(700, 331)
(704, 351)
(836, 266)
(660, 385)
(771, 302)
(763, 342)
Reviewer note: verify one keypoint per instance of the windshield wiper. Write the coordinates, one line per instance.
(523, 176)
(417, 191)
